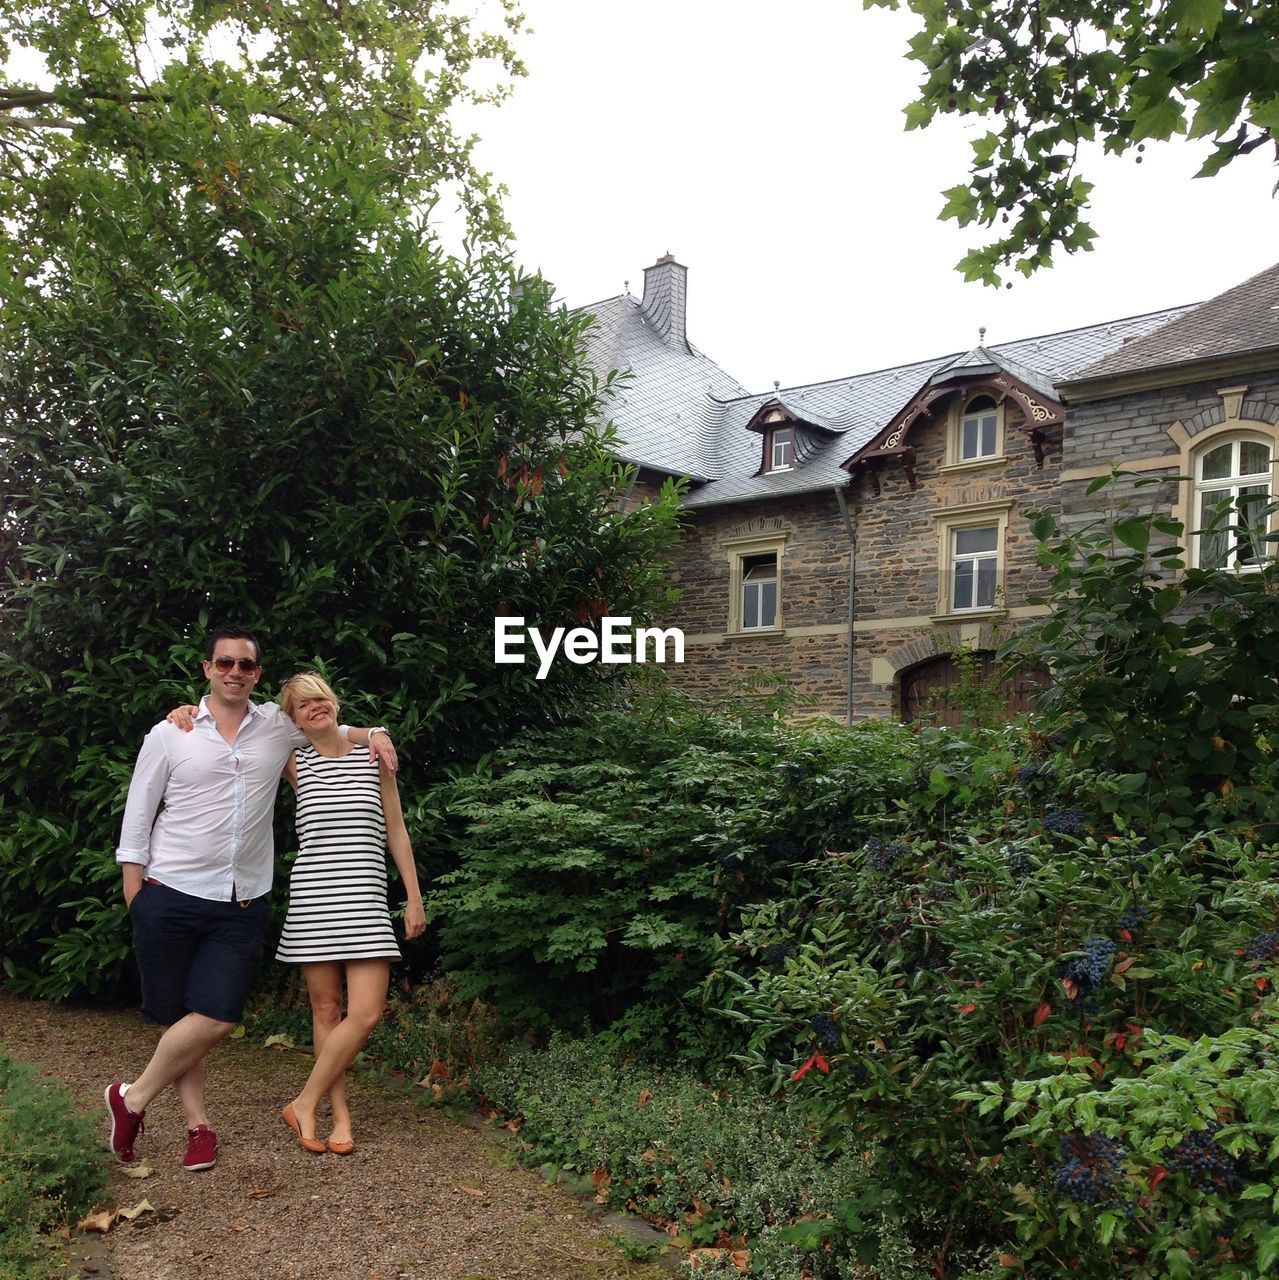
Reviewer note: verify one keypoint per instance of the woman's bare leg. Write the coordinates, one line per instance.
(324, 987)
(366, 984)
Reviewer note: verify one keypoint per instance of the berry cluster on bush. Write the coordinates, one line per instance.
(1091, 1170)
(1262, 948)
(1202, 1159)
(1087, 972)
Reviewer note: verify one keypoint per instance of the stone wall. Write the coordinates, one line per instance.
(1156, 433)
(902, 619)
(811, 649)
(898, 618)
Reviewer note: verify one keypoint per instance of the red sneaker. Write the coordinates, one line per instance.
(202, 1149)
(126, 1126)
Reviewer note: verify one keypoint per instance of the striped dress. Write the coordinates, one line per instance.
(337, 891)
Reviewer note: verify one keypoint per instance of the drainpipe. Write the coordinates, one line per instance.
(852, 584)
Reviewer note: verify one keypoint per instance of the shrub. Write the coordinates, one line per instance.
(1163, 673)
(51, 1172)
(595, 864)
(1025, 936)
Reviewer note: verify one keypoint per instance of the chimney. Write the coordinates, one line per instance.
(665, 300)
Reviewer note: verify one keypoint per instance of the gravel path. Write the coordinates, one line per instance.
(423, 1196)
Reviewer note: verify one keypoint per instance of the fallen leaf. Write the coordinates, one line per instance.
(136, 1211)
(966, 1008)
(279, 1042)
(741, 1259)
(471, 1191)
(645, 1095)
(238, 1226)
(140, 1169)
(601, 1175)
(1009, 1260)
(440, 1070)
(260, 1193)
(100, 1221)
(514, 1124)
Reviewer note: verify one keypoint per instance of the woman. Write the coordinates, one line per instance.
(348, 813)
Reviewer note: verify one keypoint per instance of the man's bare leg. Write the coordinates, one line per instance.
(189, 1087)
(181, 1050)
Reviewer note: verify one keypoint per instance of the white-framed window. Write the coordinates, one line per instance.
(970, 557)
(1232, 490)
(781, 449)
(755, 581)
(759, 592)
(974, 567)
(978, 430)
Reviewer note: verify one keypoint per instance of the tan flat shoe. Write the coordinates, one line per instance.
(340, 1148)
(313, 1145)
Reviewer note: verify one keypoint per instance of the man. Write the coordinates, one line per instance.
(196, 879)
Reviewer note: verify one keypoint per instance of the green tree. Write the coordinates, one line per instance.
(242, 381)
(1165, 675)
(1055, 76)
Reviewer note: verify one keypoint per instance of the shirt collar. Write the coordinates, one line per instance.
(204, 713)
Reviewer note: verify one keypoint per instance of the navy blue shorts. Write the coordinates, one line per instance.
(195, 955)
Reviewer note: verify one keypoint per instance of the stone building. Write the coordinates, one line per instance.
(854, 534)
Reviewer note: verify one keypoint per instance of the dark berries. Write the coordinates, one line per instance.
(883, 856)
(1091, 1170)
(1066, 822)
(1203, 1161)
(1088, 971)
(1028, 773)
(1262, 948)
(1134, 919)
(825, 1029)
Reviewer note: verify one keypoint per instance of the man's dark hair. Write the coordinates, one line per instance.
(231, 633)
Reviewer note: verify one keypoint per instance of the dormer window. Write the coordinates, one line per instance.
(781, 448)
(978, 430)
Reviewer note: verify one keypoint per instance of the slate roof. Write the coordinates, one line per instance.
(1243, 319)
(667, 411)
(681, 413)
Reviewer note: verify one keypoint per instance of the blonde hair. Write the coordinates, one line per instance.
(306, 684)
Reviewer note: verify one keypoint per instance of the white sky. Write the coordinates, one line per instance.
(763, 146)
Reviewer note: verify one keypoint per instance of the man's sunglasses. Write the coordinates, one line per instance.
(246, 665)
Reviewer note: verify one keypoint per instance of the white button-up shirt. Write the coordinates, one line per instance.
(213, 838)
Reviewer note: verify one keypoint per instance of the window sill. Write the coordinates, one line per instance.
(974, 464)
(968, 615)
(757, 633)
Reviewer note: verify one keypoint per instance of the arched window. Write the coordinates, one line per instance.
(978, 430)
(1232, 490)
